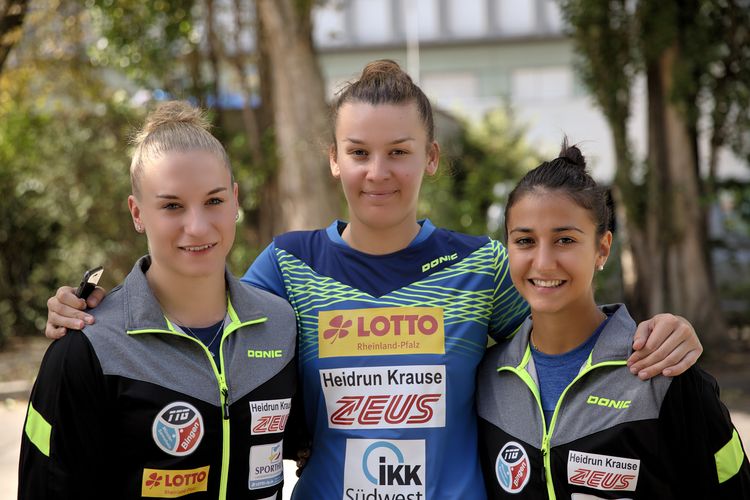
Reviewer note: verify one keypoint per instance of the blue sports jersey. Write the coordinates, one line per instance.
(388, 350)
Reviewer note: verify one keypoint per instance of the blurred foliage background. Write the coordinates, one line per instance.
(78, 77)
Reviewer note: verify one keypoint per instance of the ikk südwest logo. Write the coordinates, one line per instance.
(381, 331)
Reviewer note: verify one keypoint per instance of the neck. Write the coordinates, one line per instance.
(560, 332)
(377, 241)
(189, 301)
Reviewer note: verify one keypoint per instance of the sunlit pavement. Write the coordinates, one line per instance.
(12, 414)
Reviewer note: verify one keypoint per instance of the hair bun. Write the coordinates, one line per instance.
(572, 154)
(172, 112)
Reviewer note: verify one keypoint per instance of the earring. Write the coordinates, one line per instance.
(600, 268)
(138, 227)
(237, 217)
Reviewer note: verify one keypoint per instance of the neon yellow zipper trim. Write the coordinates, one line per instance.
(220, 378)
(524, 375)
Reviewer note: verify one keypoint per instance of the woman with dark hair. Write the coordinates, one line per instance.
(560, 414)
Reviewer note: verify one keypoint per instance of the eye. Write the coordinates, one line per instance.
(524, 242)
(399, 152)
(215, 201)
(171, 206)
(358, 153)
(566, 240)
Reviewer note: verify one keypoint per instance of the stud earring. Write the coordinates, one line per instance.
(600, 268)
(237, 217)
(138, 228)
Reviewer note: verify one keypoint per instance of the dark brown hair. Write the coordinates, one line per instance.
(384, 82)
(567, 174)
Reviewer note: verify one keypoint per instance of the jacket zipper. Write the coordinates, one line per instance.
(524, 375)
(221, 380)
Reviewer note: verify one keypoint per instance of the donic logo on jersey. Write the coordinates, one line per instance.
(384, 469)
(381, 331)
(385, 396)
(178, 429)
(512, 467)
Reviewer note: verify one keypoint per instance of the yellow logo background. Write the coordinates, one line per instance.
(163, 483)
(381, 331)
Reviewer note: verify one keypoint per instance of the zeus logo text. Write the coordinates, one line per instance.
(387, 408)
(602, 480)
(381, 331)
(609, 403)
(436, 262)
(382, 397)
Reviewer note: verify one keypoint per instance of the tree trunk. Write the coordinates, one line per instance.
(308, 196)
(681, 277)
(12, 14)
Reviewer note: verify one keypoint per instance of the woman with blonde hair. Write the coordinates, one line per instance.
(163, 396)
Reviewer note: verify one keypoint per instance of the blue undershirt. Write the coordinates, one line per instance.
(556, 371)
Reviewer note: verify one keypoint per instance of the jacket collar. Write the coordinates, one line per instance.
(143, 311)
(615, 343)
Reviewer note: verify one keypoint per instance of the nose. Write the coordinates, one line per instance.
(196, 222)
(378, 168)
(545, 258)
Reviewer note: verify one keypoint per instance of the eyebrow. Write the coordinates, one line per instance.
(397, 141)
(175, 197)
(561, 229)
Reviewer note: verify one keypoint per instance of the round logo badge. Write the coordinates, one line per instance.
(512, 467)
(178, 429)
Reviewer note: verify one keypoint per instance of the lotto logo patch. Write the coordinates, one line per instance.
(603, 472)
(381, 331)
(385, 397)
(161, 483)
(380, 468)
(269, 416)
(178, 429)
(512, 467)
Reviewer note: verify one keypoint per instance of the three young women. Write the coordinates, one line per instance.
(393, 313)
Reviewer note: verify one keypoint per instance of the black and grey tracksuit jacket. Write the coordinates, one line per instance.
(134, 408)
(611, 435)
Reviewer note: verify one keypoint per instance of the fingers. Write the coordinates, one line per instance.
(54, 332)
(96, 297)
(670, 348)
(302, 456)
(65, 310)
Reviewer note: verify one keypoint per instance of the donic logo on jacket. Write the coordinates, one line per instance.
(178, 429)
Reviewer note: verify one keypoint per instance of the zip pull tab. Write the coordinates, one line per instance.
(225, 403)
(545, 443)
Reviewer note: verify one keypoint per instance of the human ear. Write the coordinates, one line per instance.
(333, 162)
(135, 213)
(605, 245)
(433, 158)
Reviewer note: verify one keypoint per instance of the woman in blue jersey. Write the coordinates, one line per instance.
(581, 426)
(393, 313)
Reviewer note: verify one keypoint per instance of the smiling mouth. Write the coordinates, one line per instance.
(198, 248)
(547, 283)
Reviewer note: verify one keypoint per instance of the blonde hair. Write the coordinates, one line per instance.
(172, 126)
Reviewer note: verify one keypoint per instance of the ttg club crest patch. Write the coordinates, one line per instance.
(178, 429)
(512, 467)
